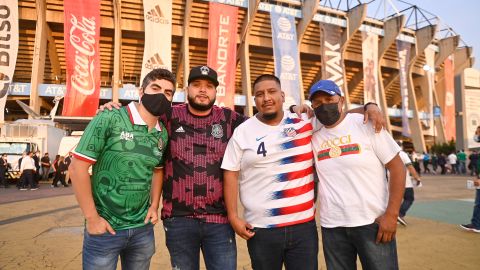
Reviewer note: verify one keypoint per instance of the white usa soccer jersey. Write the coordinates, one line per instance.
(276, 171)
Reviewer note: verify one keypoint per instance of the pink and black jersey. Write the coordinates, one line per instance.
(193, 183)
(276, 171)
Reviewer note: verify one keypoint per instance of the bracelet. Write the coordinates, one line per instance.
(291, 108)
(369, 103)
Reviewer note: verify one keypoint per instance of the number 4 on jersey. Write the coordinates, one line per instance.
(261, 149)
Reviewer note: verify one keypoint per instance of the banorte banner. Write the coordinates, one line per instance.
(285, 52)
(333, 67)
(449, 110)
(403, 50)
(8, 48)
(158, 36)
(371, 91)
(222, 50)
(82, 54)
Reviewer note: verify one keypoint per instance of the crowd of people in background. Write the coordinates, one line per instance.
(34, 168)
(458, 162)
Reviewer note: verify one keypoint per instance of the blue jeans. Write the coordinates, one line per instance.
(186, 236)
(408, 198)
(296, 246)
(341, 246)
(476, 210)
(134, 246)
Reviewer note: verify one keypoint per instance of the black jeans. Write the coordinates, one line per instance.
(296, 246)
(341, 246)
(28, 176)
(408, 198)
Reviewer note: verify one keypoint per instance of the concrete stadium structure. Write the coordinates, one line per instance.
(41, 58)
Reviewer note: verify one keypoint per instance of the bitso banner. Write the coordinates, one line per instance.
(403, 50)
(8, 48)
(430, 73)
(222, 50)
(82, 55)
(158, 36)
(449, 110)
(285, 53)
(371, 92)
(332, 61)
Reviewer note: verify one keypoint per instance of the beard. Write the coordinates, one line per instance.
(269, 116)
(198, 106)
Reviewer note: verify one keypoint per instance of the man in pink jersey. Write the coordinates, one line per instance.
(272, 156)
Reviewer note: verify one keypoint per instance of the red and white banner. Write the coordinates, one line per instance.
(371, 91)
(449, 110)
(430, 73)
(8, 48)
(157, 51)
(82, 54)
(222, 50)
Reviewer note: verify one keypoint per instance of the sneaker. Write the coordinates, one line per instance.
(402, 221)
(35, 188)
(23, 189)
(469, 227)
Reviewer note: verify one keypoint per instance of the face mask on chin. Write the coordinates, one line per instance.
(327, 114)
(157, 104)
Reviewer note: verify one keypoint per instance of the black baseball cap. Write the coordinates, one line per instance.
(203, 72)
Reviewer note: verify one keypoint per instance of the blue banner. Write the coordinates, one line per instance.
(285, 53)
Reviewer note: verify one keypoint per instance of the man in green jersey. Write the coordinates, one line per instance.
(120, 200)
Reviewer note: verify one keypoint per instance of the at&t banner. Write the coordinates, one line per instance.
(8, 48)
(222, 50)
(285, 53)
(158, 36)
(82, 53)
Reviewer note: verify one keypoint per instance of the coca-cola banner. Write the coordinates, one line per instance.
(82, 55)
(403, 50)
(371, 91)
(332, 61)
(222, 50)
(449, 110)
(158, 35)
(8, 48)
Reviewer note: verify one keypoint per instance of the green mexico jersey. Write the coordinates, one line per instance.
(124, 154)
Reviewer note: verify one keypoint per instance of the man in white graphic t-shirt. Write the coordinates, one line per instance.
(358, 207)
(269, 158)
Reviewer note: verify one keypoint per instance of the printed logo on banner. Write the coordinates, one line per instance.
(285, 27)
(82, 39)
(155, 62)
(288, 63)
(156, 15)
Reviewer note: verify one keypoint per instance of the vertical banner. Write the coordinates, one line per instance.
(430, 73)
(158, 36)
(8, 48)
(449, 110)
(332, 62)
(371, 92)
(285, 53)
(403, 50)
(82, 55)
(472, 111)
(222, 50)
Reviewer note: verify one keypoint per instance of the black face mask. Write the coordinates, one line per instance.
(327, 114)
(157, 104)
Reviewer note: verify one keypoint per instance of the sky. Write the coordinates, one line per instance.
(461, 15)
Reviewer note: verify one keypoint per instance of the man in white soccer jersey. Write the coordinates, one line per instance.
(358, 207)
(271, 154)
